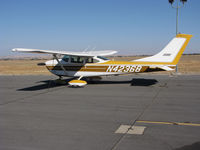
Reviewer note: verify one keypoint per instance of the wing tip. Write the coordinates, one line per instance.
(14, 50)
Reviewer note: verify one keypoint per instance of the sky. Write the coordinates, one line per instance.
(128, 26)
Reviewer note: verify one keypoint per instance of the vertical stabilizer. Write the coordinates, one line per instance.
(171, 54)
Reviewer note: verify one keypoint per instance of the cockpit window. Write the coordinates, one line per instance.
(65, 58)
(103, 58)
(77, 59)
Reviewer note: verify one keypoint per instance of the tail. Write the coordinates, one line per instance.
(171, 54)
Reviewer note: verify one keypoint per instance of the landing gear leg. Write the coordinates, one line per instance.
(60, 78)
(80, 77)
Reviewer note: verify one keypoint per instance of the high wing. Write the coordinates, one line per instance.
(85, 54)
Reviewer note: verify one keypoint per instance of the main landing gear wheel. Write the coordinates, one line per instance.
(77, 83)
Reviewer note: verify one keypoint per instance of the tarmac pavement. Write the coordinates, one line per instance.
(38, 114)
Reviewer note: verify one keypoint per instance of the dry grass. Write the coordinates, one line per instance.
(22, 67)
(189, 64)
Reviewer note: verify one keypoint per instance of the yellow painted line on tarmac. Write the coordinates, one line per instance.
(169, 123)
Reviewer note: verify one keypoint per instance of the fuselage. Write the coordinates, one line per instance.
(96, 66)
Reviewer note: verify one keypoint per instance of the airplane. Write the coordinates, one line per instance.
(93, 64)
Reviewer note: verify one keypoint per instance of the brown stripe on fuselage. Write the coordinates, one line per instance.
(80, 68)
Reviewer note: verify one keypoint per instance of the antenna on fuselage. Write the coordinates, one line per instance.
(86, 48)
(94, 48)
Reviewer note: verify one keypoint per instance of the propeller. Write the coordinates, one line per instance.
(183, 1)
(171, 1)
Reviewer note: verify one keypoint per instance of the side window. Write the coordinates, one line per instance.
(103, 58)
(77, 59)
(74, 59)
(80, 59)
(95, 61)
(89, 60)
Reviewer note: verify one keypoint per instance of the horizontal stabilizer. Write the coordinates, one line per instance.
(166, 68)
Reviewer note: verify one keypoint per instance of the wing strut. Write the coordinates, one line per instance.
(61, 65)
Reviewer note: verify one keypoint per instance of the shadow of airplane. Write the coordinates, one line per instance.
(194, 146)
(52, 83)
(133, 82)
(46, 84)
(143, 82)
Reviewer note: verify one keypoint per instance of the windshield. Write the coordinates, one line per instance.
(65, 58)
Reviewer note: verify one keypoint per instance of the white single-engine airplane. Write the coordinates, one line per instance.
(93, 64)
